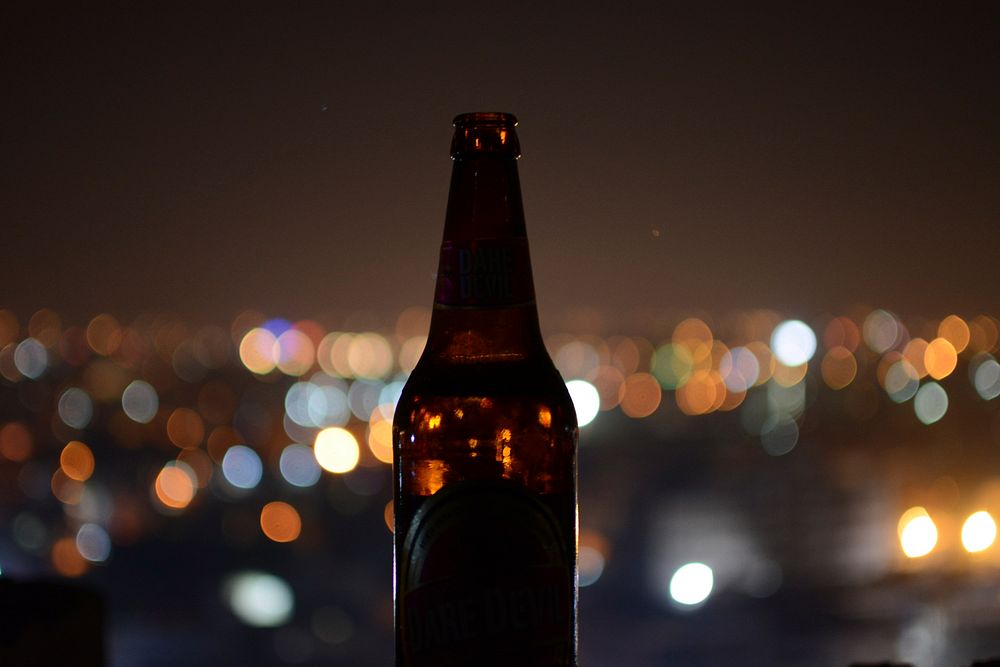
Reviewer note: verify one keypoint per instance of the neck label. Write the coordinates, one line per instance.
(483, 273)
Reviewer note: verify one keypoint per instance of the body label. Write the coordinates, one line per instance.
(487, 577)
(484, 272)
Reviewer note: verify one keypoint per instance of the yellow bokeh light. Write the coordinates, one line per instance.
(77, 461)
(336, 450)
(940, 358)
(369, 356)
(257, 351)
(979, 532)
(380, 439)
(280, 522)
(174, 487)
(954, 329)
(640, 395)
(410, 351)
(917, 533)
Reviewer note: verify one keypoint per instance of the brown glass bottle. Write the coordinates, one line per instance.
(485, 441)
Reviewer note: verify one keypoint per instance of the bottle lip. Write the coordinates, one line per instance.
(495, 118)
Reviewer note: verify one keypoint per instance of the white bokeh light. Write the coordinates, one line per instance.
(586, 400)
(692, 584)
(793, 342)
(259, 599)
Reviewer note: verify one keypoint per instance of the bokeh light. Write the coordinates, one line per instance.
(640, 395)
(185, 428)
(380, 438)
(294, 352)
(336, 450)
(739, 369)
(793, 342)
(280, 522)
(881, 331)
(918, 534)
(586, 400)
(901, 381)
(930, 403)
(839, 367)
(592, 558)
(298, 466)
(77, 461)
(986, 378)
(140, 402)
(241, 466)
(16, 442)
(369, 356)
(259, 599)
(955, 330)
(66, 559)
(174, 486)
(257, 351)
(672, 365)
(691, 584)
(75, 408)
(31, 358)
(940, 358)
(979, 532)
(93, 543)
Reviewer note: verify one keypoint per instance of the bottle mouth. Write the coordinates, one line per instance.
(491, 118)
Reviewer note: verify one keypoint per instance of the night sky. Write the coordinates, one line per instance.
(294, 158)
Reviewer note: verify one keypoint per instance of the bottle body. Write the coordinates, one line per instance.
(485, 447)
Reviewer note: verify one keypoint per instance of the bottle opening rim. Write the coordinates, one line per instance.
(485, 118)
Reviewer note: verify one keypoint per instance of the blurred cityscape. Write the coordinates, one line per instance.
(754, 488)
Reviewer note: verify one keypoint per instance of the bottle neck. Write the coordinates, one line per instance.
(484, 306)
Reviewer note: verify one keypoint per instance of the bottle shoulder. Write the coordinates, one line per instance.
(509, 385)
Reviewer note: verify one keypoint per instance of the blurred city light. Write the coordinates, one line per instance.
(979, 532)
(298, 466)
(930, 403)
(280, 522)
(241, 466)
(793, 342)
(691, 584)
(586, 400)
(259, 599)
(918, 534)
(336, 450)
(140, 402)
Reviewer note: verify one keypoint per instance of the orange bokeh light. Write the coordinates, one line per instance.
(66, 559)
(940, 358)
(954, 329)
(174, 487)
(280, 522)
(15, 442)
(77, 461)
(185, 428)
(640, 395)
